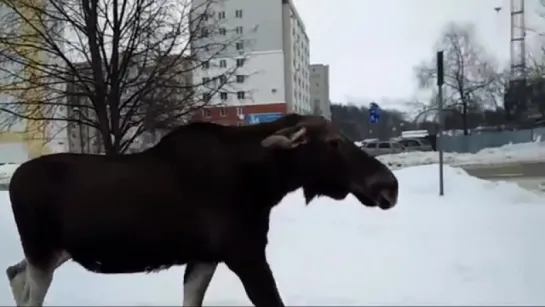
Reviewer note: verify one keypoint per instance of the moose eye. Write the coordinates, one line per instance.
(334, 143)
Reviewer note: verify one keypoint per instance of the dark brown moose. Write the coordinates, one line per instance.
(201, 196)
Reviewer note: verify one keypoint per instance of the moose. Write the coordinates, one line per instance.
(201, 196)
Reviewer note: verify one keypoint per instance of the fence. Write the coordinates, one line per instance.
(490, 139)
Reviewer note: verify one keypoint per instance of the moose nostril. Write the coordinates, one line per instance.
(390, 197)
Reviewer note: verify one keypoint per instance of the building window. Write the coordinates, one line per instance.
(240, 62)
(223, 111)
(223, 63)
(238, 13)
(241, 95)
(240, 79)
(205, 80)
(221, 15)
(223, 79)
(240, 111)
(222, 31)
(204, 32)
(223, 96)
(204, 17)
(205, 65)
(240, 46)
(206, 97)
(238, 30)
(205, 112)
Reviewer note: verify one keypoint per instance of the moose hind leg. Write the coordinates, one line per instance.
(197, 278)
(30, 283)
(38, 281)
(257, 278)
(17, 279)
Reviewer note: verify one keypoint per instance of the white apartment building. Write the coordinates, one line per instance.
(319, 90)
(269, 52)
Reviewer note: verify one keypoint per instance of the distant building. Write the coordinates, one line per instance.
(319, 90)
(272, 60)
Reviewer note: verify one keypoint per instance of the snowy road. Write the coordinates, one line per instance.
(508, 170)
(529, 175)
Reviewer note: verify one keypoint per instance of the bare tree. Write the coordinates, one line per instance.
(495, 92)
(469, 71)
(118, 66)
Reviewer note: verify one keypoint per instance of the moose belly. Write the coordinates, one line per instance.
(117, 257)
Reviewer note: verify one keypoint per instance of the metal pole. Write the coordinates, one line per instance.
(440, 81)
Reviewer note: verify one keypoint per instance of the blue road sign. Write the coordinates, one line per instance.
(374, 113)
(252, 119)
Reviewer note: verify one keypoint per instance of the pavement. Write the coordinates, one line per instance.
(511, 170)
(528, 175)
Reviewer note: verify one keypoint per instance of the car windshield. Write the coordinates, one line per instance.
(424, 141)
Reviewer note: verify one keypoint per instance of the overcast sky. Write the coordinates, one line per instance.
(373, 45)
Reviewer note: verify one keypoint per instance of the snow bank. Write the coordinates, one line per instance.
(525, 152)
(6, 170)
(481, 244)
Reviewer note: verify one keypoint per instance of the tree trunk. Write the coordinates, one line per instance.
(464, 117)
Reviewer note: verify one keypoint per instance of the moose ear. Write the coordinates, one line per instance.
(285, 138)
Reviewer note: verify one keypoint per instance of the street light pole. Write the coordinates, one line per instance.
(440, 82)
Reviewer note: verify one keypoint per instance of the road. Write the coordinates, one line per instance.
(529, 175)
(512, 170)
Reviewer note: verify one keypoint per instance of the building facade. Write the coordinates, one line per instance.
(319, 90)
(22, 139)
(265, 61)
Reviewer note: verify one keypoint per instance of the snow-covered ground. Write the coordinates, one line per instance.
(6, 170)
(524, 152)
(481, 244)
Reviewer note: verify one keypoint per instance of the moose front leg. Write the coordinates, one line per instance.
(197, 278)
(257, 278)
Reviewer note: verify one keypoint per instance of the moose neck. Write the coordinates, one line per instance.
(263, 175)
(270, 174)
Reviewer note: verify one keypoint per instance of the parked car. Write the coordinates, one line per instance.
(416, 144)
(365, 141)
(378, 148)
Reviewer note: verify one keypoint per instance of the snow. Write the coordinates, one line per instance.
(524, 152)
(481, 244)
(6, 171)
